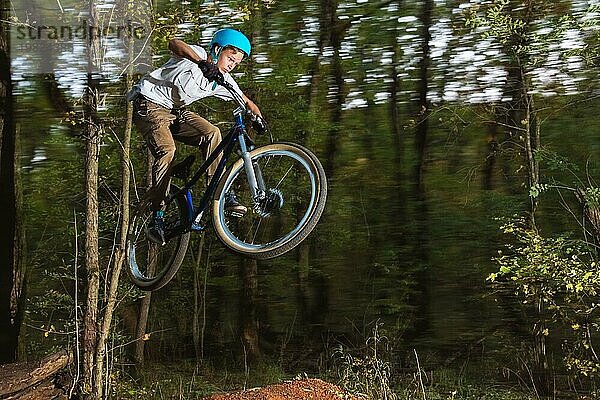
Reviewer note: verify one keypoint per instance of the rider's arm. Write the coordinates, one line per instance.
(181, 49)
(251, 106)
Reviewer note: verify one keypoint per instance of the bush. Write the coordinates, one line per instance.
(558, 280)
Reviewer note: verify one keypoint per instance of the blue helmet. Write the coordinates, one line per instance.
(229, 37)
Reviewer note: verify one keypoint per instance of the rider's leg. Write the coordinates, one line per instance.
(153, 122)
(195, 130)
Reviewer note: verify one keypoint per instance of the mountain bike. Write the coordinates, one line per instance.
(283, 186)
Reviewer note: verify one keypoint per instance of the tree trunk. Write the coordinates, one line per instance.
(119, 259)
(302, 283)
(199, 301)
(142, 323)
(11, 233)
(532, 138)
(421, 323)
(18, 292)
(423, 87)
(248, 321)
(144, 307)
(312, 90)
(399, 195)
(490, 158)
(591, 212)
(394, 112)
(542, 375)
(513, 115)
(336, 33)
(92, 132)
(91, 241)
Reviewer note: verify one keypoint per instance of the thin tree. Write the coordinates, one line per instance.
(248, 318)
(120, 251)
(513, 25)
(422, 210)
(424, 107)
(92, 131)
(394, 101)
(199, 299)
(399, 194)
(109, 300)
(491, 156)
(144, 304)
(336, 29)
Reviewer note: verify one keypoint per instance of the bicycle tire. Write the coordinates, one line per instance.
(286, 207)
(141, 252)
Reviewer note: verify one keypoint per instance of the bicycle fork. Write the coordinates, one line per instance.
(253, 172)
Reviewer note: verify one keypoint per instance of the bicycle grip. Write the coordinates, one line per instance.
(260, 125)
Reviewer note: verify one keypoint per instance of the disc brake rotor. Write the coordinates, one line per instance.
(268, 202)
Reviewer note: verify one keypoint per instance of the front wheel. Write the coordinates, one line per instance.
(284, 209)
(150, 265)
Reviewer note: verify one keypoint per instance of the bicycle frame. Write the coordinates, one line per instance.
(237, 134)
(267, 222)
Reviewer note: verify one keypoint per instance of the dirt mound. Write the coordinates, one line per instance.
(301, 389)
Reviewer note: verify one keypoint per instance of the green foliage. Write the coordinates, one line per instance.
(500, 23)
(515, 25)
(554, 161)
(537, 188)
(591, 196)
(589, 24)
(561, 276)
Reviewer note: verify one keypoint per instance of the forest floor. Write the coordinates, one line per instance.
(299, 389)
(269, 381)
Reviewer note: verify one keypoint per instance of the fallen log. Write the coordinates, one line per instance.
(34, 380)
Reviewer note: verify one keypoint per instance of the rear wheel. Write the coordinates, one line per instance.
(151, 266)
(287, 207)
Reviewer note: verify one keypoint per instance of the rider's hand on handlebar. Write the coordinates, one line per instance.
(211, 71)
(259, 124)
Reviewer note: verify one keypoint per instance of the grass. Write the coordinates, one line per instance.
(377, 370)
(374, 374)
(447, 385)
(186, 380)
(190, 380)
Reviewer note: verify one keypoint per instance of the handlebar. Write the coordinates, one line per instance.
(258, 123)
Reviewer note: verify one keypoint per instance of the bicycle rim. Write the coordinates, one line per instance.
(151, 266)
(295, 194)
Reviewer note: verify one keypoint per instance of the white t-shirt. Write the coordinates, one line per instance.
(179, 82)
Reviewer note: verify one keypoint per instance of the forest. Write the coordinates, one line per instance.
(457, 255)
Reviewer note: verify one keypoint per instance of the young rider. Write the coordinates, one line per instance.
(159, 102)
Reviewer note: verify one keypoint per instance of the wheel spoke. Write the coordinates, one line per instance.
(283, 177)
(256, 231)
(250, 230)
